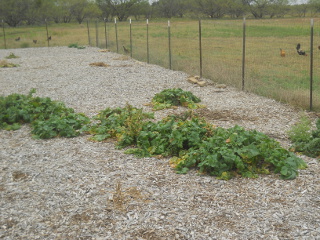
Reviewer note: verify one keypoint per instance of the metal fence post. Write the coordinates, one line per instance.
(105, 32)
(200, 48)
(4, 35)
(130, 39)
(88, 33)
(148, 60)
(243, 52)
(47, 32)
(311, 64)
(116, 29)
(97, 35)
(169, 39)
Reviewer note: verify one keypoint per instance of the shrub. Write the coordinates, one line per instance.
(48, 118)
(304, 139)
(11, 55)
(174, 97)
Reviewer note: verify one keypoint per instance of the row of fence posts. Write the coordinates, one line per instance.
(200, 49)
(169, 47)
(4, 34)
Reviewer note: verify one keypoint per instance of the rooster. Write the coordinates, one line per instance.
(282, 53)
(299, 50)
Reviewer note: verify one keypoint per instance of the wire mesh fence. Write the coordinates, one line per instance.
(258, 56)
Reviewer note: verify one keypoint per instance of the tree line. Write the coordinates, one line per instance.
(31, 12)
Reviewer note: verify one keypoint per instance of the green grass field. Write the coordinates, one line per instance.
(285, 79)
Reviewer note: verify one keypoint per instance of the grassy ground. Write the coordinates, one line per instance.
(285, 79)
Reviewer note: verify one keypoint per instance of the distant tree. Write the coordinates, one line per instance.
(38, 10)
(258, 8)
(278, 8)
(262, 8)
(44, 9)
(237, 9)
(106, 11)
(122, 9)
(171, 8)
(314, 6)
(61, 11)
(299, 10)
(14, 12)
(213, 8)
(142, 8)
(81, 9)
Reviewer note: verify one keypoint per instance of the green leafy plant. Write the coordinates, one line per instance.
(48, 118)
(235, 151)
(174, 97)
(304, 139)
(121, 123)
(75, 45)
(188, 139)
(11, 55)
(6, 64)
(172, 136)
(65, 125)
(301, 132)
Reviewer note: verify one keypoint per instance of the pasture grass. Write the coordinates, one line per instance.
(285, 79)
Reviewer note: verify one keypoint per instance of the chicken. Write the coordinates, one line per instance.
(282, 53)
(17, 39)
(49, 38)
(299, 50)
(35, 41)
(126, 50)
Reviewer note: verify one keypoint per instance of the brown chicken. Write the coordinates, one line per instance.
(282, 53)
(126, 51)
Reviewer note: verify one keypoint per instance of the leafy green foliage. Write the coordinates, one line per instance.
(301, 132)
(172, 136)
(304, 139)
(187, 138)
(48, 118)
(235, 151)
(75, 45)
(65, 125)
(121, 123)
(11, 55)
(6, 64)
(174, 97)
(225, 153)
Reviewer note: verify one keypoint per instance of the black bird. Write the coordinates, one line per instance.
(49, 38)
(35, 41)
(17, 39)
(299, 50)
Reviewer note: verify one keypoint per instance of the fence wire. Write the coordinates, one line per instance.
(273, 66)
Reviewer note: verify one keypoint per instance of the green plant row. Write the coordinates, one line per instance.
(188, 139)
(194, 143)
(304, 139)
(235, 151)
(48, 118)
